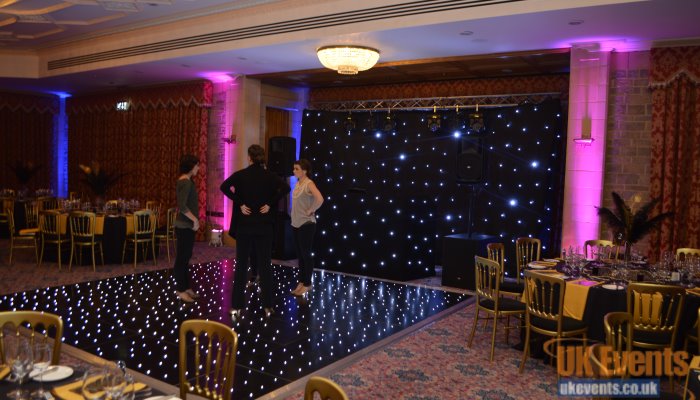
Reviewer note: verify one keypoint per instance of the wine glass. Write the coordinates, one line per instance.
(19, 357)
(113, 381)
(42, 360)
(92, 384)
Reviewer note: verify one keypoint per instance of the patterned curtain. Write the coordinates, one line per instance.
(144, 143)
(26, 134)
(675, 135)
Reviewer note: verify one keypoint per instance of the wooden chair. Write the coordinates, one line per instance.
(526, 250)
(52, 233)
(326, 388)
(144, 234)
(512, 287)
(488, 299)
(40, 325)
(167, 233)
(544, 311)
(685, 253)
(656, 311)
(606, 247)
(209, 371)
(47, 203)
(24, 239)
(82, 230)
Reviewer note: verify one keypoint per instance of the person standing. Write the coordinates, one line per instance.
(186, 226)
(306, 199)
(254, 191)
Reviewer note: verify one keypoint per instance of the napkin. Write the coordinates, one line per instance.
(4, 371)
(72, 391)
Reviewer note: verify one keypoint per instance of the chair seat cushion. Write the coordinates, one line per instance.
(568, 324)
(660, 338)
(512, 286)
(505, 304)
(28, 231)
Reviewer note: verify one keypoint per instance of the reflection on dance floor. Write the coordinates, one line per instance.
(136, 318)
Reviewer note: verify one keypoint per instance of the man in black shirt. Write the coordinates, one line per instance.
(253, 190)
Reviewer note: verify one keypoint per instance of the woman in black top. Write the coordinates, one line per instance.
(186, 225)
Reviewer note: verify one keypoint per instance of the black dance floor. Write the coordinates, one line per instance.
(136, 318)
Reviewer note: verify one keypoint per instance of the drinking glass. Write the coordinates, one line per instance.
(42, 360)
(92, 384)
(113, 381)
(19, 357)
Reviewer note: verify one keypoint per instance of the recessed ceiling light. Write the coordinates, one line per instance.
(576, 22)
(466, 33)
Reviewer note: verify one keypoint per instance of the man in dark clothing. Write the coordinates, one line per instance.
(253, 190)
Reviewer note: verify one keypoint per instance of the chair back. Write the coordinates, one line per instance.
(655, 310)
(488, 279)
(31, 210)
(82, 227)
(618, 337)
(11, 221)
(685, 253)
(526, 250)
(209, 371)
(544, 298)
(40, 326)
(49, 223)
(47, 203)
(496, 252)
(170, 223)
(6, 203)
(144, 224)
(74, 196)
(326, 388)
(605, 247)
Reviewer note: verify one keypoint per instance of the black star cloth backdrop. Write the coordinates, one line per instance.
(392, 191)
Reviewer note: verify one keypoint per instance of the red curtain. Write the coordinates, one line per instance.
(675, 135)
(26, 134)
(144, 142)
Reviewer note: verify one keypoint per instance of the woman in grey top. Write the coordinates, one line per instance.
(186, 225)
(306, 199)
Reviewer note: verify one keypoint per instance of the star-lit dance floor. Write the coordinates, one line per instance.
(136, 318)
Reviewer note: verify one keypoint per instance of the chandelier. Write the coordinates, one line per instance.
(348, 60)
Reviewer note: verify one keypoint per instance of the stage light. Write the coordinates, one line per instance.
(434, 121)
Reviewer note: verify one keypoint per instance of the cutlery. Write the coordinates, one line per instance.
(46, 371)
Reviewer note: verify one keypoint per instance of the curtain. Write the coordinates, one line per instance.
(26, 134)
(675, 135)
(143, 143)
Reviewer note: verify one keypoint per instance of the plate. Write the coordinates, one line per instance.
(612, 286)
(554, 260)
(173, 397)
(537, 266)
(62, 372)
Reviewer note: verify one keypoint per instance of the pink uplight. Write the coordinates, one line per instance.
(217, 77)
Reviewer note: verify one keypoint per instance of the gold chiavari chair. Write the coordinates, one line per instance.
(24, 239)
(167, 233)
(656, 311)
(74, 196)
(489, 300)
(52, 233)
(607, 248)
(544, 311)
(47, 203)
(209, 371)
(144, 234)
(6, 203)
(693, 335)
(41, 326)
(496, 252)
(618, 339)
(326, 389)
(31, 217)
(685, 253)
(82, 230)
(526, 250)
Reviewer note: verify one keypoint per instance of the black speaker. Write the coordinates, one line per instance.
(281, 151)
(471, 164)
(458, 251)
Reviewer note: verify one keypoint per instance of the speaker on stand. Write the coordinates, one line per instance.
(281, 154)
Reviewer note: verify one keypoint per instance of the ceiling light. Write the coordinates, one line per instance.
(348, 60)
(476, 121)
(434, 121)
(389, 123)
(349, 123)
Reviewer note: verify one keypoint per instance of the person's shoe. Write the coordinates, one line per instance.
(185, 297)
(192, 294)
(303, 290)
(235, 314)
(269, 311)
(295, 292)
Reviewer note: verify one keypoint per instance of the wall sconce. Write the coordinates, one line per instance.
(230, 139)
(434, 121)
(585, 139)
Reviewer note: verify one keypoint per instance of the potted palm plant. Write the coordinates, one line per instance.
(630, 226)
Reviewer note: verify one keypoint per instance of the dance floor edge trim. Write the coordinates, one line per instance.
(298, 385)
